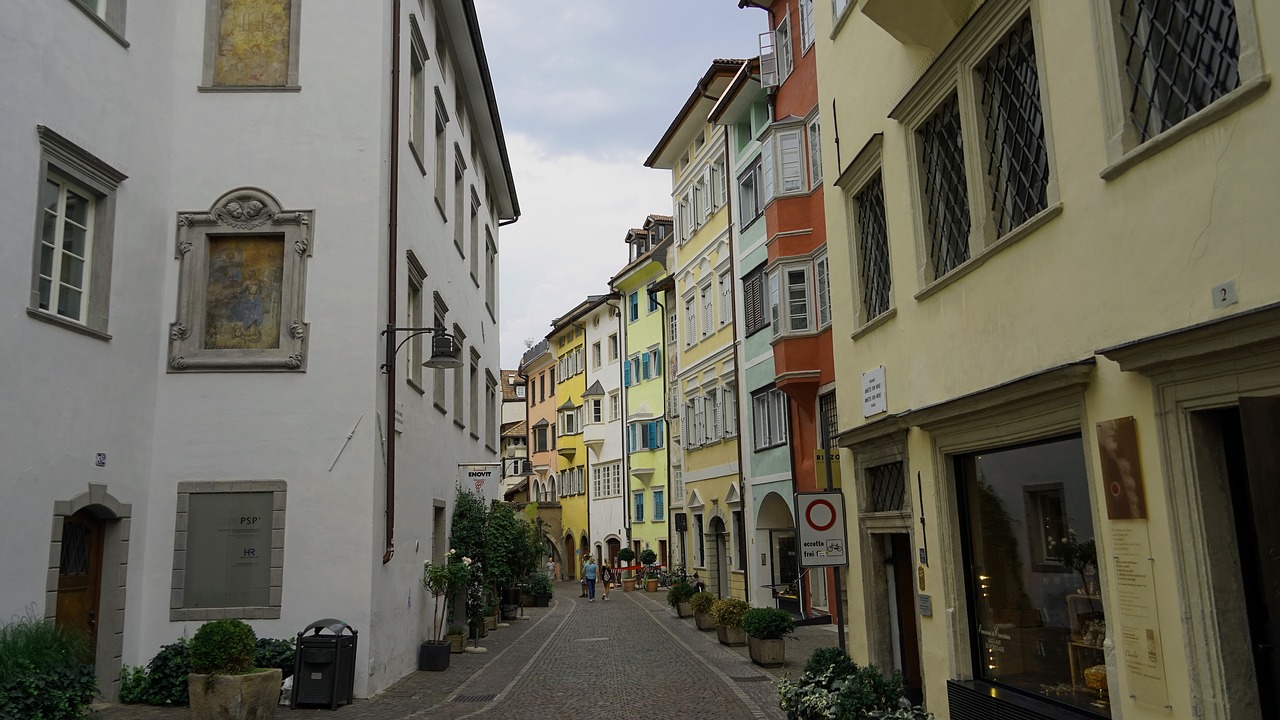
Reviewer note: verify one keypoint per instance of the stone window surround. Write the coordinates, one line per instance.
(866, 165)
(111, 20)
(178, 613)
(115, 572)
(212, 20)
(953, 72)
(78, 165)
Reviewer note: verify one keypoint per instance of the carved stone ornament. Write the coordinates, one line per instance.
(241, 291)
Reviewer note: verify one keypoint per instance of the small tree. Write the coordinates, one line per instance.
(648, 557)
(466, 536)
(444, 581)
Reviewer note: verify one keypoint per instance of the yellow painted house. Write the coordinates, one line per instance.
(1055, 285)
(702, 381)
(645, 357)
(567, 341)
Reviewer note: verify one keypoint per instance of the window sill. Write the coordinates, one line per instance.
(770, 447)
(875, 322)
(414, 384)
(474, 281)
(417, 157)
(249, 88)
(102, 24)
(71, 325)
(457, 243)
(977, 261)
(461, 425)
(1226, 105)
(440, 407)
(440, 206)
(476, 436)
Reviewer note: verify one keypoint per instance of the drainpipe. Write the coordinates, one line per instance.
(393, 249)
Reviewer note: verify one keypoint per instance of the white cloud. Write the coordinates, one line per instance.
(569, 242)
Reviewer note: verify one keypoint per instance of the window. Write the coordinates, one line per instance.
(713, 420)
(871, 238)
(645, 435)
(730, 404)
(790, 162)
(251, 43)
(218, 583)
(725, 283)
(708, 309)
(769, 415)
(597, 410)
(659, 505)
(540, 439)
(822, 283)
(677, 487)
(72, 280)
(571, 421)
(806, 25)
(789, 299)
(490, 273)
(414, 318)
(1008, 182)
(441, 159)
(750, 200)
(438, 374)
(1043, 603)
(615, 405)
(690, 321)
(655, 362)
(753, 301)
(653, 302)
(596, 359)
(474, 389)
(644, 367)
(718, 191)
(672, 333)
(474, 227)
(459, 382)
(110, 14)
(633, 307)
(417, 94)
(783, 37)
(838, 7)
(700, 547)
(459, 200)
(814, 131)
(638, 513)
(613, 347)
(491, 411)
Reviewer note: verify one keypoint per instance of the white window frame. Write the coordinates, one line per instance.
(613, 347)
(769, 419)
(597, 358)
(782, 39)
(615, 405)
(690, 320)
(806, 25)
(790, 161)
(813, 136)
(708, 309)
(822, 291)
(725, 285)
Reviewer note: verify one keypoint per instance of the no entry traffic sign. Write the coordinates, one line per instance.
(820, 521)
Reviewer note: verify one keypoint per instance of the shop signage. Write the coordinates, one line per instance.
(484, 477)
(1138, 619)
(820, 520)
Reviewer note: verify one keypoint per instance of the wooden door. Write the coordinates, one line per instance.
(904, 586)
(80, 576)
(1260, 426)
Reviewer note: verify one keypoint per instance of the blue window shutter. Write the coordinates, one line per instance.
(644, 366)
(626, 373)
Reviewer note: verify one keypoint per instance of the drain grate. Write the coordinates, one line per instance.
(475, 698)
(752, 678)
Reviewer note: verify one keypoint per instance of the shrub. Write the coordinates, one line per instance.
(648, 556)
(275, 653)
(223, 647)
(904, 711)
(768, 623)
(702, 602)
(833, 686)
(41, 671)
(678, 593)
(729, 612)
(164, 681)
(539, 583)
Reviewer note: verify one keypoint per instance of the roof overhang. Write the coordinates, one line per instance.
(692, 118)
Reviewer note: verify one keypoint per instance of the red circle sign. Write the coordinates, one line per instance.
(808, 514)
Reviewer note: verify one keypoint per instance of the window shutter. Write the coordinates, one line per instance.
(644, 366)
(708, 314)
(626, 373)
(791, 161)
(768, 61)
(766, 168)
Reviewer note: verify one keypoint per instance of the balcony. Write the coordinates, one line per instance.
(593, 436)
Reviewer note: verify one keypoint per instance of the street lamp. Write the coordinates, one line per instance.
(444, 349)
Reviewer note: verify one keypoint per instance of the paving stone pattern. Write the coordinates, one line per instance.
(630, 657)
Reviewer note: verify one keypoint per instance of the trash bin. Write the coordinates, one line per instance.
(324, 666)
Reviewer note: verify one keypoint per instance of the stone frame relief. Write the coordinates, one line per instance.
(241, 286)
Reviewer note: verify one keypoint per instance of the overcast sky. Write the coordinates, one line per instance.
(586, 88)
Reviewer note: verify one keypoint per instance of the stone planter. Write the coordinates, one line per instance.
(731, 636)
(767, 653)
(433, 656)
(651, 585)
(490, 622)
(456, 642)
(541, 600)
(510, 613)
(684, 610)
(704, 621)
(235, 697)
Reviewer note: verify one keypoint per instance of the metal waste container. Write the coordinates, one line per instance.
(324, 665)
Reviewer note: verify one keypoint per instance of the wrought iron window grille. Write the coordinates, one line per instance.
(886, 487)
(945, 192)
(873, 248)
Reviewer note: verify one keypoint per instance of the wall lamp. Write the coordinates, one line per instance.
(444, 349)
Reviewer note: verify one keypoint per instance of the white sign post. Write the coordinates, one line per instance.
(820, 520)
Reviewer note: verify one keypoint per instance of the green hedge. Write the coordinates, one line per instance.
(43, 675)
(164, 680)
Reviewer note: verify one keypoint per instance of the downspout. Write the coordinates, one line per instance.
(737, 369)
(393, 249)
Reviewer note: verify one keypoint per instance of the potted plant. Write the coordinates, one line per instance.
(224, 684)
(540, 588)
(649, 558)
(491, 613)
(443, 581)
(678, 598)
(625, 556)
(728, 614)
(701, 603)
(457, 638)
(766, 628)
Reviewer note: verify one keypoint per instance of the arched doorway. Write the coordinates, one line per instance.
(80, 576)
(551, 492)
(775, 530)
(570, 562)
(717, 554)
(614, 546)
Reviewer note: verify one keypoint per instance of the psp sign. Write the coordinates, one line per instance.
(820, 521)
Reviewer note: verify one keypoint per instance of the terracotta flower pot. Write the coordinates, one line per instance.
(731, 636)
(651, 585)
(629, 585)
(767, 653)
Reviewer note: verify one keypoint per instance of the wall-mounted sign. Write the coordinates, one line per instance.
(926, 605)
(820, 521)
(873, 393)
(1137, 613)
(484, 478)
(820, 467)
(1121, 469)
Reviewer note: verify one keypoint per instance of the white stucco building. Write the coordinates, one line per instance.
(602, 428)
(206, 238)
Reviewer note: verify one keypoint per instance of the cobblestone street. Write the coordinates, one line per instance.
(630, 657)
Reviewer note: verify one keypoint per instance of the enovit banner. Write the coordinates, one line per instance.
(484, 478)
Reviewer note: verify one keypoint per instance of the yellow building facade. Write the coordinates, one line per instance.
(1056, 294)
(702, 380)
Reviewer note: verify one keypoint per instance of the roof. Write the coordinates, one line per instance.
(584, 307)
(694, 113)
(515, 429)
(511, 379)
(540, 348)
(657, 253)
(596, 390)
(541, 423)
(478, 75)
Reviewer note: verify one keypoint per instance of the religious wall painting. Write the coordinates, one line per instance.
(251, 44)
(242, 292)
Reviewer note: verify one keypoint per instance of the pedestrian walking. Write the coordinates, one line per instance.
(582, 573)
(607, 577)
(551, 568)
(589, 572)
